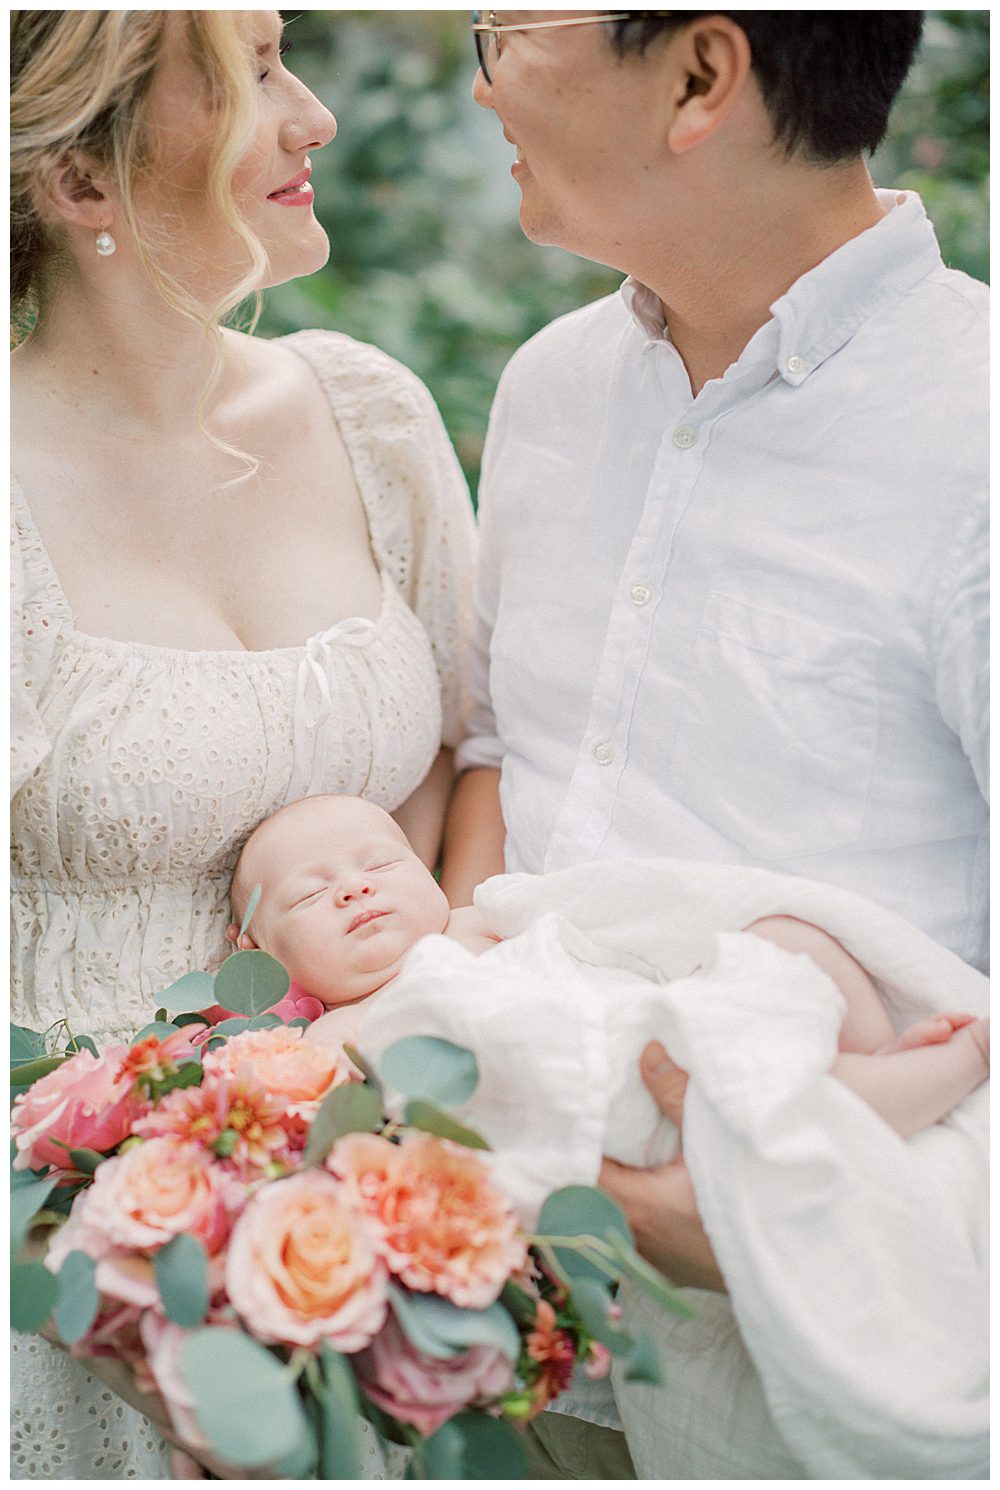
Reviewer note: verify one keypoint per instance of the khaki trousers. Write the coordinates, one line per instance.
(564, 1448)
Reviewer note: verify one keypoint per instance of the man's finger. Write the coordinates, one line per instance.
(665, 1081)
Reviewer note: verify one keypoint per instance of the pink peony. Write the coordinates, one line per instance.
(303, 1268)
(444, 1226)
(89, 1102)
(296, 1072)
(142, 1199)
(424, 1390)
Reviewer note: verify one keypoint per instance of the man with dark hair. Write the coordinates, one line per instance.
(731, 600)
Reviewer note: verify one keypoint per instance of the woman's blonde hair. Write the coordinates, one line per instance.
(79, 83)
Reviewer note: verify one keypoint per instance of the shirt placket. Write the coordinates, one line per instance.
(586, 815)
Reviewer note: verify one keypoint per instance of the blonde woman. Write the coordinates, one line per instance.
(240, 567)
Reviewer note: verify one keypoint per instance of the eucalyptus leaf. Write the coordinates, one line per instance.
(250, 982)
(25, 1200)
(431, 1119)
(649, 1279)
(644, 1364)
(473, 1446)
(180, 1020)
(265, 1021)
(188, 995)
(33, 1293)
(340, 1439)
(441, 1329)
(181, 1269)
(78, 1301)
(426, 1068)
(86, 1160)
(25, 1073)
(252, 905)
(245, 1400)
(353, 1108)
(82, 1042)
(365, 1067)
(158, 1027)
(25, 1044)
(234, 1026)
(581, 1210)
(592, 1301)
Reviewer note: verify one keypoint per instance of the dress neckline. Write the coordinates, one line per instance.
(348, 627)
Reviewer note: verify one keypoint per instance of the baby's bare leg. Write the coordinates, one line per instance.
(911, 1080)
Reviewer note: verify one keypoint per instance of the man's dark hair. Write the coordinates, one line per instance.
(827, 77)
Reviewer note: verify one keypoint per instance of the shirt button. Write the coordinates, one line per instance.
(795, 365)
(640, 594)
(685, 436)
(604, 753)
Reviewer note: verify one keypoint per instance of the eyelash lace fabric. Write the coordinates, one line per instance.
(138, 772)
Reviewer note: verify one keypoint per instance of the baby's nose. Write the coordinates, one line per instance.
(352, 892)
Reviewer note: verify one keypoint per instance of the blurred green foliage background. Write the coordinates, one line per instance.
(427, 260)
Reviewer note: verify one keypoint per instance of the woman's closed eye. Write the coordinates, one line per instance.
(281, 51)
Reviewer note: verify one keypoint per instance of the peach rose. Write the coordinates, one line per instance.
(89, 1102)
(302, 1267)
(424, 1390)
(444, 1226)
(296, 1072)
(142, 1199)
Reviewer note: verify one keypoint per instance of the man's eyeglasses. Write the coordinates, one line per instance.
(488, 33)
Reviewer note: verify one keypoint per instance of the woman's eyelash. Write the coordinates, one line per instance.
(284, 49)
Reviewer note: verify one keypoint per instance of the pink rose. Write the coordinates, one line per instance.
(302, 1267)
(424, 1390)
(89, 1102)
(444, 1225)
(142, 1199)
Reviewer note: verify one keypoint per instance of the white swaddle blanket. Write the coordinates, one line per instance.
(852, 1343)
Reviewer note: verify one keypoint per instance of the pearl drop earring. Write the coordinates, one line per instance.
(104, 243)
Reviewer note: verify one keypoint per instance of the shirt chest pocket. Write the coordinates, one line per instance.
(776, 738)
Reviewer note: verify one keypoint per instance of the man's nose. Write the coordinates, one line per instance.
(481, 90)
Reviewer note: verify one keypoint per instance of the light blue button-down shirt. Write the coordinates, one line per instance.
(750, 626)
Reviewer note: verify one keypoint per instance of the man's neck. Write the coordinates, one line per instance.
(718, 277)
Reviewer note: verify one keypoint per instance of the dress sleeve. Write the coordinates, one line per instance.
(31, 653)
(961, 641)
(416, 499)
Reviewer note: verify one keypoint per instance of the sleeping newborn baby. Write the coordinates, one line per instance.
(557, 1022)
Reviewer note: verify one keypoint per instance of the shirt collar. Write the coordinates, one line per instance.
(826, 306)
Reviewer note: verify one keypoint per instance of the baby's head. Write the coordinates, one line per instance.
(343, 895)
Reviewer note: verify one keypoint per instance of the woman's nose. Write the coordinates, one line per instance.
(310, 125)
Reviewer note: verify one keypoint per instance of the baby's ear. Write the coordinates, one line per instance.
(244, 943)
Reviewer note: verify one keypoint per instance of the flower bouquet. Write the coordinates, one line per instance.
(280, 1240)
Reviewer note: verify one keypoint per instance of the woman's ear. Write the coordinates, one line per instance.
(714, 62)
(76, 190)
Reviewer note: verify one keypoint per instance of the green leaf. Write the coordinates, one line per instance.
(189, 994)
(265, 1021)
(649, 1279)
(227, 1027)
(25, 1044)
(424, 1067)
(645, 1364)
(592, 1300)
(472, 1446)
(441, 1329)
(182, 1019)
(367, 1070)
(430, 1119)
(161, 1030)
(340, 1442)
(27, 1072)
(581, 1210)
(33, 1292)
(189, 1073)
(82, 1042)
(245, 1399)
(25, 1200)
(252, 905)
(181, 1269)
(353, 1108)
(78, 1302)
(86, 1160)
(250, 982)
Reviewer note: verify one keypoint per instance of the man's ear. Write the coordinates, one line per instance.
(77, 191)
(713, 64)
(244, 943)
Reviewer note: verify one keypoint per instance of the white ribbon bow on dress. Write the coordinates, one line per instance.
(315, 689)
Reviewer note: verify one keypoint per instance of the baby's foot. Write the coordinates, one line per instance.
(937, 1030)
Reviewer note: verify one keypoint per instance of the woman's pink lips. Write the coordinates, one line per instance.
(364, 918)
(295, 193)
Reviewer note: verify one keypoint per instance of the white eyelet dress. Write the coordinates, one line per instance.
(138, 772)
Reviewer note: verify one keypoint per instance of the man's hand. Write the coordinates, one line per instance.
(660, 1203)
